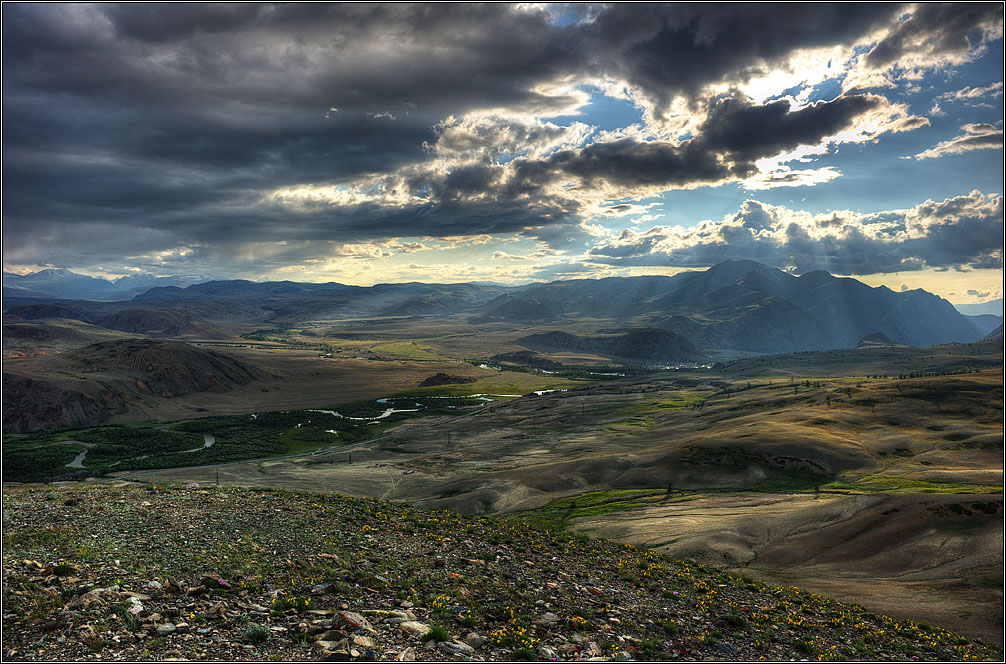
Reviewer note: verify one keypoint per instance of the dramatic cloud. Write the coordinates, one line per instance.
(931, 36)
(960, 232)
(982, 136)
(241, 139)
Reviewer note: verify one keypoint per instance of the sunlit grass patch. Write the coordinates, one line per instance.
(898, 484)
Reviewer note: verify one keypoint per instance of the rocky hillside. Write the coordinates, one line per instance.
(137, 572)
(649, 345)
(86, 386)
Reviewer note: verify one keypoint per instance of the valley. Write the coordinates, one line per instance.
(846, 461)
(802, 476)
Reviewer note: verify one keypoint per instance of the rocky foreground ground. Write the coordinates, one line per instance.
(126, 572)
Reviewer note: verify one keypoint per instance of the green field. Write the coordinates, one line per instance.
(45, 456)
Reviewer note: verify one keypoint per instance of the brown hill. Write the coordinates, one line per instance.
(161, 323)
(651, 345)
(876, 339)
(53, 335)
(90, 384)
(445, 379)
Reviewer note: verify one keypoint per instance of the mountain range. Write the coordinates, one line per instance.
(62, 284)
(739, 307)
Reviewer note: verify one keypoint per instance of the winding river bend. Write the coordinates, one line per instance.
(208, 441)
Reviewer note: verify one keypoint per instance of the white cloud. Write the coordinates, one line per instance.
(977, 136)
(965, 231)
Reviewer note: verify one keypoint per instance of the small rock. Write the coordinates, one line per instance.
(195, 590)
(323, 588)
(547, 653)
(139, 597)
(407, 655)
(353, 621)
(726, 648)
(321, 645)
(165, 629)
(364, 642)
(414, 627)
(333, 635)
(456, 648)
(549, 617)
(398, 616)
(474, 640)
(592, 649)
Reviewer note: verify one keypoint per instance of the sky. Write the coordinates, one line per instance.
(505, 143)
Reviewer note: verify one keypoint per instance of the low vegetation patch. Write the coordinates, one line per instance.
(46, 456)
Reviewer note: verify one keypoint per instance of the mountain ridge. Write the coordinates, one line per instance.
(732, 307)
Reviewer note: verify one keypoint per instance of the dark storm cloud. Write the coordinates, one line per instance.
(672, 49)
(734, 136)
(139, 128)
(372, 58)
(964, 231)
(938, 29)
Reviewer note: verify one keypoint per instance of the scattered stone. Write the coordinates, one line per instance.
(364, 642)
(165, 629)
(353, 621)
(474, 640)
(456, 648)
(414, 627)
(321, 646)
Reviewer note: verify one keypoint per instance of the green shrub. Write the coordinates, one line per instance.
(437, 633)
(131, 622)
(256, 634)
(284, 602)
(736, 620)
